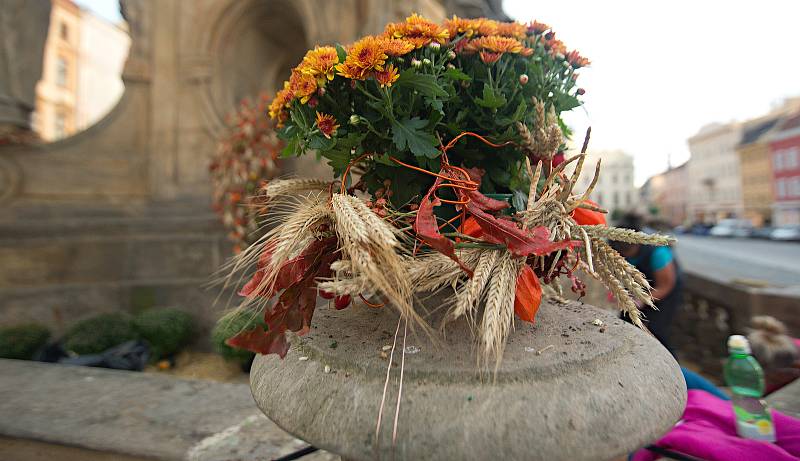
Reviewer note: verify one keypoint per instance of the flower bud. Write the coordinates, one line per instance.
(451, 54)
(321, 91)
(435, 46)
(523, 79)
(581, 91)
(416, 62)
(450, 66)
(312, 102)
(426, 61)
(355, 119)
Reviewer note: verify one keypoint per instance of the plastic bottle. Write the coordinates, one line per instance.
(745, 378)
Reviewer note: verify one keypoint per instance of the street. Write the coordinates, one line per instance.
(760, 261)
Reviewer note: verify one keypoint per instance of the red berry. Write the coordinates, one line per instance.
(341, 302)
(326, 294)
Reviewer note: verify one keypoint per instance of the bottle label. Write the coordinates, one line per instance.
(754, 426)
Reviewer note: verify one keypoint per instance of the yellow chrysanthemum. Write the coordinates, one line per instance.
(327, 124)
(363, 57)
(418, 31)
(397, 47)
(512, 29)
(320, 63)
(387, 76)
(302, 85)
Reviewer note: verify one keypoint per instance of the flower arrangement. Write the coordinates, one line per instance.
(245, 158)
(454, 134)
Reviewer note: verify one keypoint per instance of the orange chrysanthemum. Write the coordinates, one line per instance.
(461, 26)
(490, 58)
(554, 45)
(397, 47)
(488, 27)
(302, 85)
(387, 76)
(327, 124)
(511, 29)
(538, 28)
(363, 57)
(320, 63)
(576, 60)
(496, 44)
(418, 31)
(277, 108)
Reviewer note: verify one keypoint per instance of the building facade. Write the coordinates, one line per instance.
(785, 154)
(715, 185)
(666, 197)
(81, 78)
(57, 91)
(614, 190)
(756, 169)
(101, 57)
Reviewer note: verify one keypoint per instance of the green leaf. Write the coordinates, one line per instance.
(338, 160)
(456, 74)
(341, 52)
(491, 99)
(424, 83)
(321, 143)
(292, 148)
(408, 134)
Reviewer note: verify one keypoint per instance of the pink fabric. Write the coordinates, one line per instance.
(708, 431)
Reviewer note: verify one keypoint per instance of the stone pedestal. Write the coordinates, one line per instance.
(567, 389)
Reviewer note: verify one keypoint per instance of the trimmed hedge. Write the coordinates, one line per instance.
(166, 329)
(227, 327)
(22, 341)
(101, 332)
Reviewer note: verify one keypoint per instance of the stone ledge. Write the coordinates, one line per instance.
(136, 415)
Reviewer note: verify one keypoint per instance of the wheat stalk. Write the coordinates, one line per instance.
(498, 314)
(372, 254)
(279, 187)
(470, 294)
(627, 235)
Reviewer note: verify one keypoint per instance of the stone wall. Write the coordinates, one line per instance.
(715, 310)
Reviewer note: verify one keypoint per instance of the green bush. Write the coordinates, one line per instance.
(101, 332)
(22, 341)
(167, 330)
(227, 327)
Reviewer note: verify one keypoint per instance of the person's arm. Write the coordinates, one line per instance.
(665, 279)
(664, 272)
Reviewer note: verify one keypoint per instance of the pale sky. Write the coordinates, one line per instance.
(661, 70)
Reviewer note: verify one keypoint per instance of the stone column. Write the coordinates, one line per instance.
(23, 31)
(569, 388)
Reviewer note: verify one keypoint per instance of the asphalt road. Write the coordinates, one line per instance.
(773, 263)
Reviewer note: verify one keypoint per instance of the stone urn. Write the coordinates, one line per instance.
(580, 384)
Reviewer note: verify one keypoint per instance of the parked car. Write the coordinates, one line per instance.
(700, 229)
(732, 228)
(762, 232)
(786, 233)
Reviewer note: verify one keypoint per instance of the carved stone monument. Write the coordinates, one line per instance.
(23, 31)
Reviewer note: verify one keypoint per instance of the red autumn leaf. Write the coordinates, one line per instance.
(486, 203)
(528, 296)
(472, 228)
(264, 260)
(261, 342)
(427, 228)
(588, 217)
(520, 242)
(295, 307)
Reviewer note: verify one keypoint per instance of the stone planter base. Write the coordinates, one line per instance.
(566, 390)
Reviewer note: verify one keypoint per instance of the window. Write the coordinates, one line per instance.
(790, 158)
(616, 199)
(614, 178)
(61, 71)
(781, 188)
(60, 126)
(628, 199)
(795, 189)
(64, 31)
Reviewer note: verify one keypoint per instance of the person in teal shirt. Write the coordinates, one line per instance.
(660, 267)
